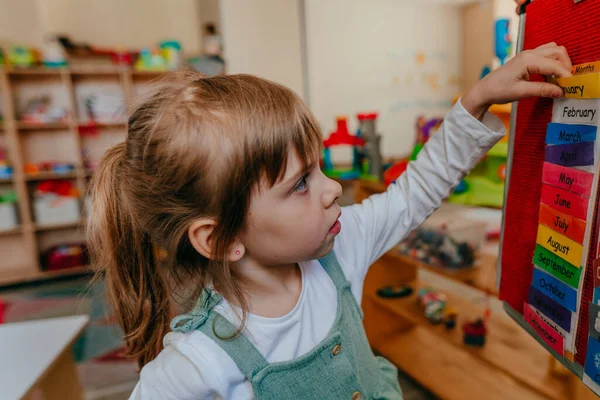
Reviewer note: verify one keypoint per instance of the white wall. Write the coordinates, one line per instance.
(130, 23)
(399, 58)
(19, 23)
(262, 37)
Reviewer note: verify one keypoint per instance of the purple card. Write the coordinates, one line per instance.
(550, 308)
(571, 155)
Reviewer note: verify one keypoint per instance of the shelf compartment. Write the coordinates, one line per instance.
(25, 126)
(55, 227)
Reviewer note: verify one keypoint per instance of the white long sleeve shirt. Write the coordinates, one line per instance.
(192, 366)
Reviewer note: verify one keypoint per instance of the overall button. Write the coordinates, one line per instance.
(356, 396)
(336, 350)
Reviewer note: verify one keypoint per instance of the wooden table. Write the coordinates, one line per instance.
(37, 354)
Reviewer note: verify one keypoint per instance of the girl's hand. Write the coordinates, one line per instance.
(511, 82)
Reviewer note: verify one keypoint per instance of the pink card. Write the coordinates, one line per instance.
(544, 331)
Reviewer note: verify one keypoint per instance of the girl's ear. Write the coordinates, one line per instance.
(200, 235)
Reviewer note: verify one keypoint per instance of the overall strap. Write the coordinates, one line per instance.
(218, 328)
(334, 270)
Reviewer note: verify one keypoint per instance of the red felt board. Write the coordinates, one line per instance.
(577, 27)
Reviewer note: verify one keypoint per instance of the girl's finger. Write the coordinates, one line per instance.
(540, 89)
(556, 52)
(537, 64)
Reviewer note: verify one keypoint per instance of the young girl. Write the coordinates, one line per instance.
(223, 175)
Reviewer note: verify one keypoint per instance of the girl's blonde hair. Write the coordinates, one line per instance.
(196, 148)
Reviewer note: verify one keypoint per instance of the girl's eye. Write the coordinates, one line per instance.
(301, 186)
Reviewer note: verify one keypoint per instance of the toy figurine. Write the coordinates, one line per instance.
(433, 303)
(368, 132)
(474, 333)
(450, 317)
(341, 137)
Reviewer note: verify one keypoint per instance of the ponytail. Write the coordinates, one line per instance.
(121, 250)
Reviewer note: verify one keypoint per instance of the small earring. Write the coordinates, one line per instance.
(237, 252)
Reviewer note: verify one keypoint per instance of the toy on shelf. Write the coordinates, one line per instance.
(172, 53)
(474, 333)
(150, 61)
(424, 129)
(120, 56)
(22, 57)
(49, 166)
(6, 171)
(8, 211)
(368, 131)
(342, 137)
(393, 292)
(450, 315)
(437, 248)
(39, 111)
(366, 157)
(433, 304)
(65, 256)
(56, 202)
(53, 54)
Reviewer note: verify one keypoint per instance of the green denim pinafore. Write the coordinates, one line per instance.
(342, 366)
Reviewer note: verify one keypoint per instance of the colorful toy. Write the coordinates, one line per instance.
(368, 132)
(171, 52)
(436, 247)
(65, 256)
(47, 166)
(433, 304)
(424, 129)
(53, 54)
(502, 39)
(474, 333)
(341, 137)
(22, 57)
(392, 292)
(40, 111)
(150, 61)
(450, 317)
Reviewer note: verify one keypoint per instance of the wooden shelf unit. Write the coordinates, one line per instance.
(26, 243)
(511, 365)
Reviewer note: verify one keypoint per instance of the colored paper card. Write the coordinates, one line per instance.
(565, 201)
(587, 68)
(571, 227)
(568, 337)
(556, 266)
(566, 178)
(595, 321)
(560, 245)
(555, 289)
(592, 361)
(586, 86)
(570, 111)
(571, 155)
(545, 331)
(550, 308)
(569, 134)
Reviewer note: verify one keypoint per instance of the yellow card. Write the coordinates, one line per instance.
(585, 86)
(587, 68)
(560, 245)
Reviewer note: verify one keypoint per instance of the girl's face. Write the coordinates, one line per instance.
(296, 219)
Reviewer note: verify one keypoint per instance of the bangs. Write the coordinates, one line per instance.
(292, 128)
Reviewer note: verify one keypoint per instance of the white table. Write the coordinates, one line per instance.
(37, 354)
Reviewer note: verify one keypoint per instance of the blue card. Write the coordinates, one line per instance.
(558, 291)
